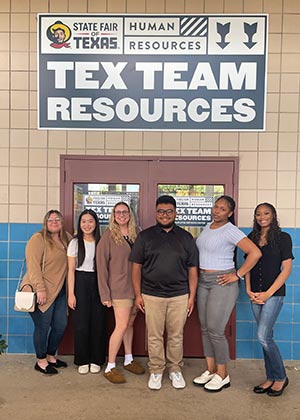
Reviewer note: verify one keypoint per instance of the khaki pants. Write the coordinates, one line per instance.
(165, 314)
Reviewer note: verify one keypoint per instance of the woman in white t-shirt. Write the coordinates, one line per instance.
(88, 313)
(218, 288)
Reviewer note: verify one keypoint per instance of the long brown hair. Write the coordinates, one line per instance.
(62, 233)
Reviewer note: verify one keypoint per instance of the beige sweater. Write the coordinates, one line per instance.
(52, 279)
(114, 269)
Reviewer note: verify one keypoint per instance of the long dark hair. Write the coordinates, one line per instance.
(273, 233)
(79, 236)
(231, 204)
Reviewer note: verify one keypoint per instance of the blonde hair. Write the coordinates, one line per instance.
(62, 233)
(115, 230)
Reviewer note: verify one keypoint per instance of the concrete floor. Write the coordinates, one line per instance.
(26, 394)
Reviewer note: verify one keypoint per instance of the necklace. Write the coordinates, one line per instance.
(263, 241)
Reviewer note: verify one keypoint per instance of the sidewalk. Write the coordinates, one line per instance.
(28, 395)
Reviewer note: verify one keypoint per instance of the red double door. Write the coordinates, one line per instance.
(147, 176)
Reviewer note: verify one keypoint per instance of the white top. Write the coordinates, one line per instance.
(216, 246)
(88, 263)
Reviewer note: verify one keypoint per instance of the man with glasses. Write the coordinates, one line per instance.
(164, 275)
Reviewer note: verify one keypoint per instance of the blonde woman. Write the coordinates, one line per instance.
(46, 262)
(115, 286)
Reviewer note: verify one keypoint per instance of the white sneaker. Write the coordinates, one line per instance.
(204, 378)
(94, 368)
(177, 379)
(155, 381)
(217, 383)
(83, 369)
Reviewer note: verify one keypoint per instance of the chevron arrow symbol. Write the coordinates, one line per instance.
(223, 31)
(250, 31)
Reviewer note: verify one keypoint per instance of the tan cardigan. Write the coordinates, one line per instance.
(114, 269)
(55, 268)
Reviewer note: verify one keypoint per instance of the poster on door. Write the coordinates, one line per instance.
(103, 204)
(193, 211)
(152, 72)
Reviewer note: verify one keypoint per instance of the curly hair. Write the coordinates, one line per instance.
(62, 233)
(273, 233)
(115, 228)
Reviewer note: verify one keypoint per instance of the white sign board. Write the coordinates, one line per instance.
(152, 72)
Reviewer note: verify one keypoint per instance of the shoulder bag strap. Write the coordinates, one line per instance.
(21, 273)
(21, 276)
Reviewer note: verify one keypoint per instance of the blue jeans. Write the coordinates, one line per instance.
(49, 326)
(265, 316)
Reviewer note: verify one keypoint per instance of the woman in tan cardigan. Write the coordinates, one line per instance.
(46, 262)
(115, 286)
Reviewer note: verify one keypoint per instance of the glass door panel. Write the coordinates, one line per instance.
(194, 203)
(101, 198)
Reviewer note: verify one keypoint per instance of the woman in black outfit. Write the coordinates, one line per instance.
(265, 286)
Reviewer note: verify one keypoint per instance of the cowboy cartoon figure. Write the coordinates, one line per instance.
(59, 34)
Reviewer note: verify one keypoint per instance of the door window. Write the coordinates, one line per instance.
(194, 203)
(101, 198)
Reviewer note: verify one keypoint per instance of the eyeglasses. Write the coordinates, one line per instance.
(122, 213)
(161, 212)
(56, 219)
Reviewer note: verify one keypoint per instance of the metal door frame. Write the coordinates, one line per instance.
(83, 169)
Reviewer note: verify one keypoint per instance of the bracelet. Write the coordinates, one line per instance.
(238, 275)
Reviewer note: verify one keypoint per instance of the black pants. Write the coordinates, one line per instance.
(88, 321)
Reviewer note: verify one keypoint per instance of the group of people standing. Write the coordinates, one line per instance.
(160, 271)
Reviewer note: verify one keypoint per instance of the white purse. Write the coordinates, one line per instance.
(24, 301)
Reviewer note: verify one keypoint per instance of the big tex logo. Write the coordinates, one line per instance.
(59, 33)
